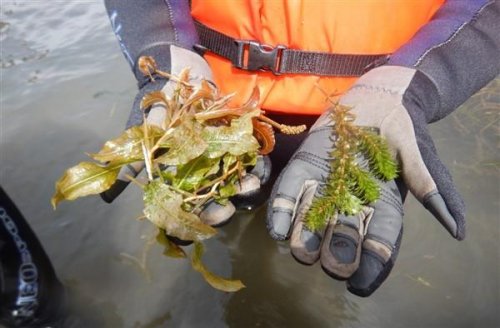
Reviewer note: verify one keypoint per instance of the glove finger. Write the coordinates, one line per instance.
(310, 164)
(304, 243)
(280, 210)
(248, 185)
(137, 114)
(122, 181)
(341, 248)
(445, 203)
(249, 193)
(213, 214)
(418, 159)
(287, 199)
(262, 169)
(383, 232)
(216, 214)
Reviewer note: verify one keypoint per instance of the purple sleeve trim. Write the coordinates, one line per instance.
(447, 21)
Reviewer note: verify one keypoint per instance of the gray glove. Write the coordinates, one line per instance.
(213, 213)
(362, 248)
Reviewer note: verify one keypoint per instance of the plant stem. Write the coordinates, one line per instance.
(221, 178)
(286, 129)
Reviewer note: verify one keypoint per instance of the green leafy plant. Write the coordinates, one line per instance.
(197, 154)
(359, 157)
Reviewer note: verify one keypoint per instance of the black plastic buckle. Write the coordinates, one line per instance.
(254, 56)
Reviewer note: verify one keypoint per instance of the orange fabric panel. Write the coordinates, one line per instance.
(335, 26)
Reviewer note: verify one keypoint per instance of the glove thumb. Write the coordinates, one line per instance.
(122, 181)
(445, 204)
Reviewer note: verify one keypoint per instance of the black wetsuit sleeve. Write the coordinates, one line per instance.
(150, 28)
(455, 54)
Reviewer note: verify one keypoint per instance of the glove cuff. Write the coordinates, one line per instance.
(171, 59)
(384, 86)
(391, 79)
(199, 70)
(419, 95)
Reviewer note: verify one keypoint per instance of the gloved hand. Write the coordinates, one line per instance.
(213, 213)
(362, 248)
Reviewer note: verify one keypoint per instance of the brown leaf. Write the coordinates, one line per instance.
(147, 65)
(264, 134)
(253, 101)
(153, 98)
(85, 179)
(198, 95)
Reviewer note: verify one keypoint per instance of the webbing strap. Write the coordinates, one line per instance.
(251, 55)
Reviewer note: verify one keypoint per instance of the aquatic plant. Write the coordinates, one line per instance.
(358, 158)
(197, 154)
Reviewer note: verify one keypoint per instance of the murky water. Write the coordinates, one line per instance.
(65, 89)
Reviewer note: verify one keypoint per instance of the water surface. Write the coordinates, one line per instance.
(66, 89)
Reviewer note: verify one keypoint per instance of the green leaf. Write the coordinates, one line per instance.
(375, 148)
(193, 175)
(127, 147)
(364, 185)
(236, 139)
(184, 144)
(85, 179)
(249, 159)
(348, 203)
(226, 285)
(227, 190)
(168, 175)
(321, 211)
(229, 187)
(162, 206)
(227, 161)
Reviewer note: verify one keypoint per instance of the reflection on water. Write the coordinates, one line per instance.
(66, 89)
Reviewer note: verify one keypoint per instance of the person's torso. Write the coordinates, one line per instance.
(336, 26)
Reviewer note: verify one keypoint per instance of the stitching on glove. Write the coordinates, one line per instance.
(380, 240)
(376, 89)
(375, 255)
(282, 210)
(312, 159)
(429, 195)
(390, 199)
(323, 128)
(287, 197)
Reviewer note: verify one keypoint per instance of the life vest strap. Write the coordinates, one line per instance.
(253, 56)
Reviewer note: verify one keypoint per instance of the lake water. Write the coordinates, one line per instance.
(66, 89)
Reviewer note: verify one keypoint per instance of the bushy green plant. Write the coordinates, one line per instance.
(359, 157)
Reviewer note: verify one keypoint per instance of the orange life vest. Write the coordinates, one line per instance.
(334, 26)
